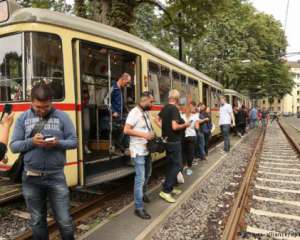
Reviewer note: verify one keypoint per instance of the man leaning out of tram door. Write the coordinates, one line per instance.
(44, 134)
(138, 127)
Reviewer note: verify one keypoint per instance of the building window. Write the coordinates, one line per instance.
(298, 109)
(264, 101)
(298, 92)
(279, 100)
(279, 108)
(298, 100)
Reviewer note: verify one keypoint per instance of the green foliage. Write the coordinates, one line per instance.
(55, 5)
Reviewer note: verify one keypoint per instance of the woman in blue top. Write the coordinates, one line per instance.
(205, 126)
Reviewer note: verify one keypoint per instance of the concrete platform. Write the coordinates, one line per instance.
(126, 226)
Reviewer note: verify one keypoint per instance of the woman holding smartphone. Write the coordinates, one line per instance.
(5, 125)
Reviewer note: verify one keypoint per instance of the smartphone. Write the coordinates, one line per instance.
(6, 109)
(49, 138)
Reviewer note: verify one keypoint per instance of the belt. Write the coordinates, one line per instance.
(40, 174)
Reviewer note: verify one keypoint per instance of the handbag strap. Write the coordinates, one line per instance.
(148, 127)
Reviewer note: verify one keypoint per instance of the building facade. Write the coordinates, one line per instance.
(290, 103)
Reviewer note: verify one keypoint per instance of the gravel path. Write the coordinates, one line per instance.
(203, 215)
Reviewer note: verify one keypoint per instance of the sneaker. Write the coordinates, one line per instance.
(176, 191)
(87, 150)
(189, 172)
(180, 178)
(167, 197)
(195, 162)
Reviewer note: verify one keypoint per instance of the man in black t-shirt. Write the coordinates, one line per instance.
(172, 126)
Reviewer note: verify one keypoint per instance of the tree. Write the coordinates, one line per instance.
(55, 5)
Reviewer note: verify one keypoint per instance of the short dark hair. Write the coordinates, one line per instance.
(41, 92)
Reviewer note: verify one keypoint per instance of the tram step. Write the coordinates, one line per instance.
(108, 175)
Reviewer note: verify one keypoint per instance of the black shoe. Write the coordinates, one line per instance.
(142, 214)
(146, 198)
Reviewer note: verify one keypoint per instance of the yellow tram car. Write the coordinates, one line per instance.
(80, 59)
(236, 99)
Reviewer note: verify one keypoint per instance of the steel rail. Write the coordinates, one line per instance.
(233, 222)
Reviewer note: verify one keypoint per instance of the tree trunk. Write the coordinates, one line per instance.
(80, 8)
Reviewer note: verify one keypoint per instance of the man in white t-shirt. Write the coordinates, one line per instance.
(226, 120)
(138, 127)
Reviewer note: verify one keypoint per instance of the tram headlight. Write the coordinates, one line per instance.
(4, 14)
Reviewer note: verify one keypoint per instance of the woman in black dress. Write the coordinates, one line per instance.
(5, 125)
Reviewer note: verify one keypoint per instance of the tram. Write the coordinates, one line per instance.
(80, 59)
(236, 99)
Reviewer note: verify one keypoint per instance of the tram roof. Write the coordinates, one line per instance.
(233, 92)
(22, 15)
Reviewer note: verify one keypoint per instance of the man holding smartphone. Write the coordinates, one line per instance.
(43, 134)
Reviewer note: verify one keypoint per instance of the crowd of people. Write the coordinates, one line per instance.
(43, 134)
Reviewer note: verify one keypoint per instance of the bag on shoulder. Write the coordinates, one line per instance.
(156, 145)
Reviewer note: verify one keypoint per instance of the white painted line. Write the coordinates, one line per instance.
(277, 180)
(282, 190)
(279, 174)
(274, 214)
(294, 203)
(279, 168)
(273, 234)
(279, 163)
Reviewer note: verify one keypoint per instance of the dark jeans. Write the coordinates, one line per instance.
(188, 150)
(225, 132)
(174, 162)
(206, 140)
(120, 140)
(200, 145)
(241, 128)
(36, 190)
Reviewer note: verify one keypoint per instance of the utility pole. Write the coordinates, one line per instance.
(180, 42)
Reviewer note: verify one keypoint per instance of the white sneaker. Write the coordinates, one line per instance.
(189, 172)
(180, 178)
(87, 150)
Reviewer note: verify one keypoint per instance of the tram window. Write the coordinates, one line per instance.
(44, 62)
(153, 75)
(164, 84)
(193, 89)
(176, 81)
(183, 89)
(205, 94)
(214, 98)
(11, 77)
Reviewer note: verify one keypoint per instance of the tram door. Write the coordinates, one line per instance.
(99, 68)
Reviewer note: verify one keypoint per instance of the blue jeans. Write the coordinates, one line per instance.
(225, 128)
(201, 144)
(174, 163)
(36, 190)
(253, 123)
(143, 169)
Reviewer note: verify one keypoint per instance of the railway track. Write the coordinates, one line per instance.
(9, 191)
(268, 203)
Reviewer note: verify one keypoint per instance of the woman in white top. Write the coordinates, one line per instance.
(188, 142)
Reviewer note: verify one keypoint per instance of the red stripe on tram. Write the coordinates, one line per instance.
(22, 107)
